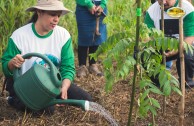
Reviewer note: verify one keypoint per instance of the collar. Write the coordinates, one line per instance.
(40, 36)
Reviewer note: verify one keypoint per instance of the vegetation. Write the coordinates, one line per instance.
(119, 59)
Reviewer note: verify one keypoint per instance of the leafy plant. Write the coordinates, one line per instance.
(69, 21)
(119, 60)
(13, 16)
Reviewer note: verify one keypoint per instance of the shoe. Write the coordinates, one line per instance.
(82, 71)
(16, 103)
(48, 111)
(94, 70)
(10, 100)
(190, 84)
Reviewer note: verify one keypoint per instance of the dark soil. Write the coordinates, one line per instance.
(117, 102)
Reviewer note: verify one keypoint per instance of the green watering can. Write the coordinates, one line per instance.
(38, 87)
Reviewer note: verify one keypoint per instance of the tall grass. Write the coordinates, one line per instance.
(69, 21)
(12, 15)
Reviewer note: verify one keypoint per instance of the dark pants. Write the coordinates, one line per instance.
(83, 53)
(189, 68)
(74, 92)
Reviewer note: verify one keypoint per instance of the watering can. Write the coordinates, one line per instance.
(38, 87)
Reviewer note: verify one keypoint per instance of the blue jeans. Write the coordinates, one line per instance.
(169, 65)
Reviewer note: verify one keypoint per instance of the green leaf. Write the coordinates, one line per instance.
(167, 88)
(156, 90)
(174, 81)
(155, 102)
(144, 95)
(177, 90)
(153, 110)
(162, 78)
(145, 102)
(143, 83)
(108, 62)
(125, 69)
(157, 70)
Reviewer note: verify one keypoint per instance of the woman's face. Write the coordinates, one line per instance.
(48, 19)
(167, 3)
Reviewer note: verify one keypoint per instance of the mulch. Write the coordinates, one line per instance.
(116, 102)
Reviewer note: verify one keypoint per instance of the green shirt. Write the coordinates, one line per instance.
(89, 4)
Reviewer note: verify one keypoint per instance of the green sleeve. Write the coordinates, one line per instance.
(87, 3)
(103, 3)
(188, 25)
(67, 68)
(148, 21)
(9, 53)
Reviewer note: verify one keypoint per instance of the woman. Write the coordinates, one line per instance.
(88, 39)
(42, 35)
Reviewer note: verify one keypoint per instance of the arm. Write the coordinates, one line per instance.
(11, 59)
(188, 28)
(87, 3)
(93, 8)
(103, 3)
(148, 21)
(67, 67)
(101, 6)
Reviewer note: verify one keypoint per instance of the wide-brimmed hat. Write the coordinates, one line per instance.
(50, 5)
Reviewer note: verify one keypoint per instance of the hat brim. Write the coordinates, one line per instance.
(34, 8)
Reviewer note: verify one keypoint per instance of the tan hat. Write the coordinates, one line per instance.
(50, 5)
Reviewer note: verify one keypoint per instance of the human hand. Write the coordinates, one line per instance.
(98, 10)
(170, 53)
(65, 86)
(16, 62)
(93, 10)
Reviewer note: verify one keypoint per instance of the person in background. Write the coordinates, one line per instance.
(42, 35)
(169, 63)
(152, 19)
(88, 41)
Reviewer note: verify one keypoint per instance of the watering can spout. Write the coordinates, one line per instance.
(84, 104)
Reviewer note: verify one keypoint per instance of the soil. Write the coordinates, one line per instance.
(117, 102)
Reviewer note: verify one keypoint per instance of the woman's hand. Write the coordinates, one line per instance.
(16, 62)
(170, 53)
(93, 10)
(65, 86)
(98, 10)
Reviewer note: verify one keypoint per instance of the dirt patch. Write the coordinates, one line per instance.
(116, 102)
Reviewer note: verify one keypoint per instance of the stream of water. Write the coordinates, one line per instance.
(102, 111)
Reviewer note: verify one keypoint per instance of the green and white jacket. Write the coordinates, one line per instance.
(89, 4)
(56, 45)
(153, 16)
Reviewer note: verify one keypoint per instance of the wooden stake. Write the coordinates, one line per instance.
(182, 65)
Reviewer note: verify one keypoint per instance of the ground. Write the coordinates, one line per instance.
(116, 102)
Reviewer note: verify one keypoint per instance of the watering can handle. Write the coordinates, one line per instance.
(17, 74)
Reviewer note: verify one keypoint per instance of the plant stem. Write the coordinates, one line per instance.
(153, 120)
(136, 50)
(163, 56)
